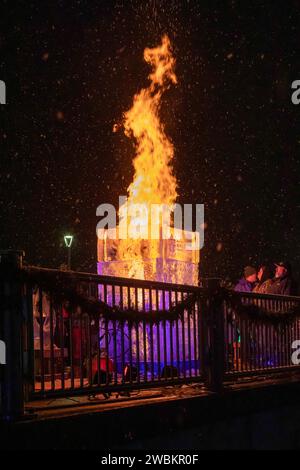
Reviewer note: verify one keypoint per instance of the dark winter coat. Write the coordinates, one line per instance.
(243, 286)
(282, 286)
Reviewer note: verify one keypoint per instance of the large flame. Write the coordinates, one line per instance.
(153, 182)
(145, 253)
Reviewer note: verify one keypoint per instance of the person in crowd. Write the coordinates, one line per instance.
(247, 283)
(283, 283)
(264, 277)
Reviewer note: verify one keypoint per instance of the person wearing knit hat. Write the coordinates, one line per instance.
(247, 282)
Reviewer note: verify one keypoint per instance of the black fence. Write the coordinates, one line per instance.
(97, 334)
(71, 333)
(260, 334)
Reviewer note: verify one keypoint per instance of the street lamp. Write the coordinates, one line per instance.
(68, 242)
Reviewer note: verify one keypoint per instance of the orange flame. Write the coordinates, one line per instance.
(153, 182)
(138, 252)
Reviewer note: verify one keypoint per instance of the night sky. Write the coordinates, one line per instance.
(72, 68)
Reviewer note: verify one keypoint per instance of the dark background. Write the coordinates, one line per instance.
(72, 68)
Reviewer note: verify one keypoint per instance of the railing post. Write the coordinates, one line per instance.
(11, 386)
(214, 332)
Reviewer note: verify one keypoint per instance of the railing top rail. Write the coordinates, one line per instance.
(116, 281)
(146, 284)
(256, 295)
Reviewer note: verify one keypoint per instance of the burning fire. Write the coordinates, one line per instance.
(153, 182)
(138, 248)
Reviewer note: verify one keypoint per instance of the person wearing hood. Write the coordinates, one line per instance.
(247, 283)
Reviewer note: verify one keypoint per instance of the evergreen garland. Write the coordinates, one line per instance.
(62, 288)
(65, 289)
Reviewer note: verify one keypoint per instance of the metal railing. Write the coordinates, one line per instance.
(70, 333)
(79, 347)
(259, 334)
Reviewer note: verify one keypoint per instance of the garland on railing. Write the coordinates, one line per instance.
(260, 312)
(65, 289)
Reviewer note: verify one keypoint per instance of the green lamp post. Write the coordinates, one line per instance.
(68, 242)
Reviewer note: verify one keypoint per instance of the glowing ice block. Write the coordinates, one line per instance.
(164, 260)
